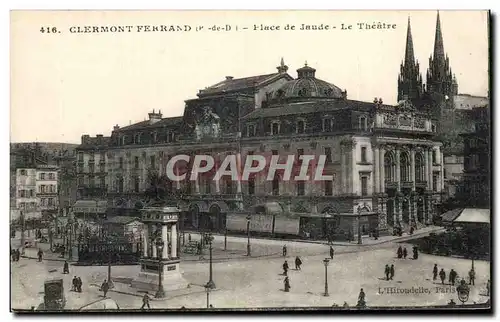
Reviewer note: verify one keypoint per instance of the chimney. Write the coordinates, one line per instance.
(229, 78)
(85, 138)
(154, 117)
(99, 138)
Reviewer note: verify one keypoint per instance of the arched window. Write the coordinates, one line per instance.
(276, 185)
(275, 128)
(404, 162)
(154, 136)
(389, 167)
(124, 140)
(419, 167)
(301, 126)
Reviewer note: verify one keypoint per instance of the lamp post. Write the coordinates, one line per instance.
(110, 281)
(208, 289)
(360, 241)
(159, 251)
(225, 239)
(249, 252)
(463, 291)
(208, 239)
(326, 261)
(69, 228)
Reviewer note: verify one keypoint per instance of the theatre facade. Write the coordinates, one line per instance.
(385, 162)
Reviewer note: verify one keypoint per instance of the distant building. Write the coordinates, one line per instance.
(25, 192)
(477, 161)
(47, 183)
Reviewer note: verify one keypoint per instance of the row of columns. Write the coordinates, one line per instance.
(147, 241)
(412, 210)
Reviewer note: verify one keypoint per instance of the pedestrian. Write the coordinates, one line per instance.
(287, 284)
(79, 284)
(361, 299)
(18, 255)
(298, 262)
(435, 272)
(488, 288)
(284, 250)
(105, 287)
(13, 255)
(405, 253)
(472, 277)
(392, 271)
(75, 284)
(40, 255)
(442, 275)
(285, 268)
(452, 276)
(332, 252)
(65, 268)
(412, 230)
(387, 271)
(415, 252)
(400, 252)
(145, 301)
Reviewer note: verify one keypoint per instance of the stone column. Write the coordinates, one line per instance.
(376, 170)
(153, 244)
(164, 237)
(145, 239)
(382, 169)
(395, 210)
(426, 168)
(398, 169)
(354, 174)
(429, 173)
(442, 171)
(217, 180)
(174, 241)
(412, 169)
(343, 166)
(400, 209)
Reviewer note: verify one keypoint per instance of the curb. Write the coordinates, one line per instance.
(152, 298)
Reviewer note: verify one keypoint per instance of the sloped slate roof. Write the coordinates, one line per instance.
(236, 84)
(168, 121)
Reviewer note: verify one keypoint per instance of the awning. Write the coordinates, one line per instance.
(467, 215)
(269, 208)
(474, 215)
(90, 206)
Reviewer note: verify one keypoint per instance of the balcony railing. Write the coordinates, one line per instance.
(391, 184)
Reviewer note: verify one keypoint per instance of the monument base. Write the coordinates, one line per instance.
(171, 277)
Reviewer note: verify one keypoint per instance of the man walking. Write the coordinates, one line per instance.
(40, 255)
(387, 272)
(105, 287)
(287, 284)
(442, 275)
(145, 301)
(435, 272)
(298, 262)
(405, 253)
(284, 250)
(65, 268)
(74, 283)
(472, 277)
(285, 268)
(79, 284)
(400, 252)
(452, 277)
(332, 252)
(392, 271)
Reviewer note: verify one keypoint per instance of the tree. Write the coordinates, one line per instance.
(160, 189)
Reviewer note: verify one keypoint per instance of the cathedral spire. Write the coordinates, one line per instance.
(409, 79)
(438, 55)
(409, 53)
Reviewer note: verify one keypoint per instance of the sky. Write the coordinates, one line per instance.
(64, 84)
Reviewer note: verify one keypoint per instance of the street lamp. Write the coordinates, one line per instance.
(69, 228)
(159, 251)
(463, 291)
(208, 239)
(326, 261)
(110, 282)
(360, 241)
(208, 289)
(248, 236)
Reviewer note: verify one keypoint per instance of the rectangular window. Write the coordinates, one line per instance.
(51, 176)
(120, 163)
(80, 156)
(328, 188)
(153, 161)
(327, 125)
(136, 184)
(136, 162)
(328, 155)
(275, 128)
(91, 167)
(251, 186)
(434, 156)
(23, 172)
(103, 182)
(434, 182)
(275, 152)
(364, 186)
(251, 130)
(50, 202)
(363, 154)
(42, 176)
(42, 188)
(301, 188)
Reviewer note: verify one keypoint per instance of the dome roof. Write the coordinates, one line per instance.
(307, 85)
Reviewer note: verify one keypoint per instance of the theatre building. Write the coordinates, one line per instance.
(384, 160)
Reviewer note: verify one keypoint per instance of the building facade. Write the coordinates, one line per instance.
(47, 184)
(385, 160)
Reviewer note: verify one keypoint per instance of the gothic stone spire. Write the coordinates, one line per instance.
(409, 79)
